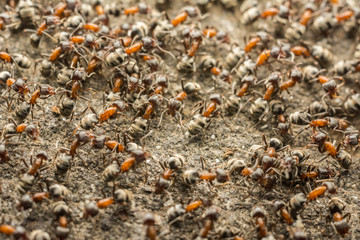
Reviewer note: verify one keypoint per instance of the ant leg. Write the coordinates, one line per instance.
(23, 160)
(144, 137)
(323, 158)
(161, 117)
(222, 116)
(180, 120)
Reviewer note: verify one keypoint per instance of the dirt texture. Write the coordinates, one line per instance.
(229, 133)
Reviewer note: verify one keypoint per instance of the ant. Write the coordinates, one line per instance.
(30, 129)
(40, 158)
(259, 215)
(246, 83)
(320, 140)
(262, 37)
(265, 180)
(340, 224)
(295, 76)
(181, 17)
(220, 175)
(263, 57)
(175, 104)
(329, 85)
(7, 229)
(300, 51)
(211, 108)
(280, 207)
(19, 86)
(271, 84)
(149, 222)
(43, 92)
(210, 216)
(120, 196)
(320, 190)
(344, 15)
(307, 14)
(270, 12)
(138, 156)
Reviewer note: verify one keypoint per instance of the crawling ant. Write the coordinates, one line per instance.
(280, 207)
(300, 51)
(259, 215)
(344, 15)
(270, 12)
(120, 196)
(193, 206)
(320, 190)
(63, 47)
(272, 83)
(253, 42)
(340, 224)
(295, 76)
(138, 156)
(314, 172)
(112, 111)
(31, 130)
(47, 22)
(42, 92)
(149, 222)
(211, 108)
(307, 14)
(181, 17)
(153, 102)
(263, 57)
(18, 85)
(333, 123)
(220, 175)
(210, 216)
(320, 140)
(27, 180)
(266, 180)
(329, 85)
(196, 39)
(246, 83)
(7, 229)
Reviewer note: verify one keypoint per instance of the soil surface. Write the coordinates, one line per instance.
(227, 137)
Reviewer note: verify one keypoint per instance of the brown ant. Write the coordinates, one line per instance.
(340, 224)
(210, 216)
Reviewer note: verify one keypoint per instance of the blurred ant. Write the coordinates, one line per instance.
(320, 190)
(307, 14)
(344, 15)
(270, 12)
(259, 215)
(295, 76)
(149, 222)
(187, 11)
(6, 229)
(263, 57)
(47, 22)
(253, 42)
(340, 224)
(211, 215)
(280, 207)
(272, 84)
